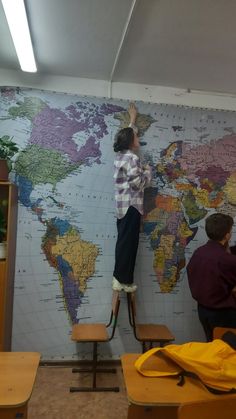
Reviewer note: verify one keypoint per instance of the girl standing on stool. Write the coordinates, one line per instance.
(130, 180)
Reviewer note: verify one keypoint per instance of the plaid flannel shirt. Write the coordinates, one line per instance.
(131, 178)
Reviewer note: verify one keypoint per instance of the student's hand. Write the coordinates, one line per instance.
(146, 167)
(234, 292)
(233, 250)
(132, 110)
(227, 248)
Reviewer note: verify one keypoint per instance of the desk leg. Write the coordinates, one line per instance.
(14, 413)
(141, 412)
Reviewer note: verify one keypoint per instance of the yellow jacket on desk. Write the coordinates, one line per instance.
(213, 363)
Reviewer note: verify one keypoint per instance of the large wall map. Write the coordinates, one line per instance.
(66, 223)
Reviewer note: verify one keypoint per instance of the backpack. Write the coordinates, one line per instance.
(213, 363)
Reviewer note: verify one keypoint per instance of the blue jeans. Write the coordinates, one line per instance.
(126, 246)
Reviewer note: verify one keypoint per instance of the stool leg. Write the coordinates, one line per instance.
(95, 345)
(94, 371)
(129, 310)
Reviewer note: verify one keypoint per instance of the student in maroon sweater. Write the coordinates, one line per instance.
(212, 276)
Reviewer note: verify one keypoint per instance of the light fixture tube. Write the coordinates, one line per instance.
(18, 25)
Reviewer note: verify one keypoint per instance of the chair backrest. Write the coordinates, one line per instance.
(115, 303)
(131, 308)
(133, 304)
(132, 313)
(218, 332)
(114, 312)
(215, 409)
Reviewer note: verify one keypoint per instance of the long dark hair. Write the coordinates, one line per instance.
(123, 139)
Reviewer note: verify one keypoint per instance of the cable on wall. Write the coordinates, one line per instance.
(124, 33)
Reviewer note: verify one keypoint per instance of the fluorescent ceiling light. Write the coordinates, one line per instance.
(18, 25)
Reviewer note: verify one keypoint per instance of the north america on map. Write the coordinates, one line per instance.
(66, 221)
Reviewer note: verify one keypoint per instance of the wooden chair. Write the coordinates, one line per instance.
(215, 409)
(147, 332)
(96, 333)
(218, 332)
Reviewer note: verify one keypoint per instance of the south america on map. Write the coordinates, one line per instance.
(66, 218)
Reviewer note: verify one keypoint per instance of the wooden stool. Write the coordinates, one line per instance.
(147, 332)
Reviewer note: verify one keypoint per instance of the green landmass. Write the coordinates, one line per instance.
(193, 212)
(143, 121)
(41, 165)
(29, 108)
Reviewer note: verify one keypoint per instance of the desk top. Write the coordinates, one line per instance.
(17, 375)
(161, 391)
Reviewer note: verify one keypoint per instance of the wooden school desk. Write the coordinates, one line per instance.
(160, 398)
(17, 375)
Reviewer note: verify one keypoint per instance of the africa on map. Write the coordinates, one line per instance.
(66, 218)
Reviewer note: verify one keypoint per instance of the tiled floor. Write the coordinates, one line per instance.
(51, 398)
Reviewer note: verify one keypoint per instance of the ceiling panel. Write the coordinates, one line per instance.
(182, 43)
(179, 43)
(77, 37)
(8, 58)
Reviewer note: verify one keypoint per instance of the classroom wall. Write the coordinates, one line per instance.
(129, 91)
(42, 321)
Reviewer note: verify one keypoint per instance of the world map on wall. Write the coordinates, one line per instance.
(66, 222)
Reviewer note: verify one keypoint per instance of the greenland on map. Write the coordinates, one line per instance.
(66, 218)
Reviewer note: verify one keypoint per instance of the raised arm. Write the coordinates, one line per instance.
(132, 110)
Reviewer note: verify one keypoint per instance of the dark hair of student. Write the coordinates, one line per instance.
(123, 139)
(218, 225)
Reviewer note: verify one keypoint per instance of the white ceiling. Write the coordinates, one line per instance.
(178, 43)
